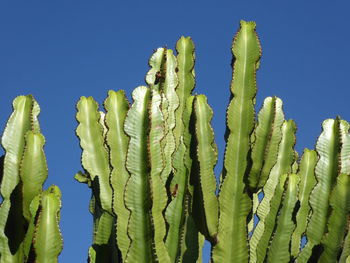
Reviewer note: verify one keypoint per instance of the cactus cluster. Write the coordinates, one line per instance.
(29, 216)
(151, 170)
(137, 162)
(150, 166)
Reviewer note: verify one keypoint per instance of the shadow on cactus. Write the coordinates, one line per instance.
(150, 165)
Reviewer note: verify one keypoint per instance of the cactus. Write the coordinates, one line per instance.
(234, 201)
(151, 165)
(29, 215)
(307, 183)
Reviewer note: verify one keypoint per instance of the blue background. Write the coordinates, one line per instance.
(61, 50)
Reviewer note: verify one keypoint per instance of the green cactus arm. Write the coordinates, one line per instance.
(192, 241)
(234, 202)
(344, 158)
(33, 170)
(162, 77)
(345, 254)
(155, 76)
(92, 255)
(336, 226)
(270, 157)
(28, 240)
(279, 248)
(176, 216)
(104, 243)
(201, 240)
(345, 169)
(96, 211)
(13, 141)
(34, 116)
(326, 170)
(205, 203)
(33, 173)
(117, 106)
(47, 237)
(22, 120)
(267, 226)
(170, 84)
(173, 160)
(83, 178)
(103, 226)
(181, 195)
(185, 66)
(157, 185)
(187, 230)
(95, 158)
(307, 183)
(137, 188)
(187, 138)
(268, 207)
(175, 213)
(266, 138)
(168, 109)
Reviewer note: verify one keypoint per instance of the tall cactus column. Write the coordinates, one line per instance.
(137, 191)
(273, 192)
(95, 160)
(234, 201)
(117, 106)
(205, 203)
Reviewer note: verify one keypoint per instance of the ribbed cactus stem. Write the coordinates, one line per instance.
(307, 183)
(23, 119)
(266, 138)
(205, 203)
(47, 236)
(336, 226)
(234, 202)
(268, 208)
(137, 190)
(279, 248)
(95, 158)
(158, 192)
(326, 171)
(33, 170)
(117, 106)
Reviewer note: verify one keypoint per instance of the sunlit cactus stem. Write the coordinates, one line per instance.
(234, 201)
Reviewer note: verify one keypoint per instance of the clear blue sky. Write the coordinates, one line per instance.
(61, 50)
